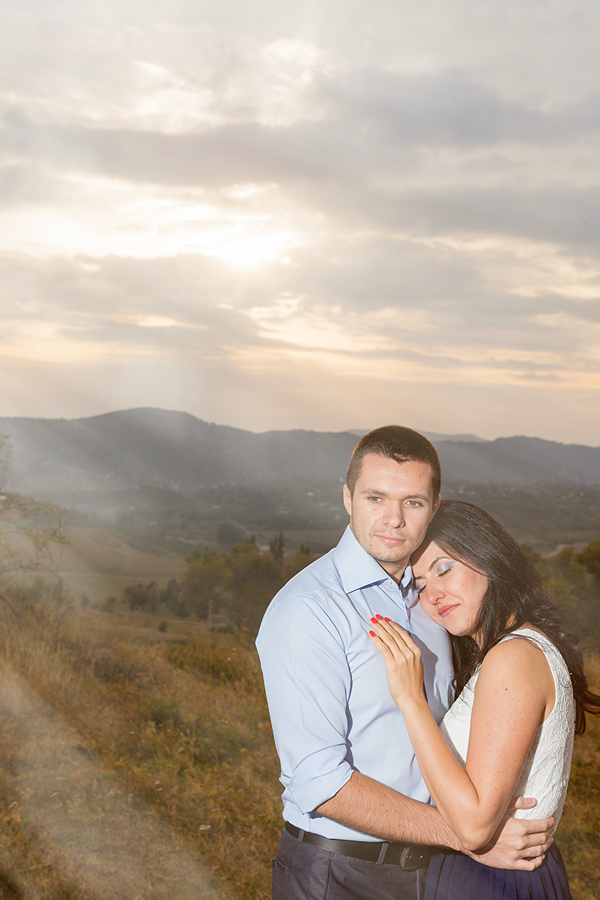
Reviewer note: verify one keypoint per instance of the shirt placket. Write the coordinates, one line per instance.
(397, 596)
(401, 594)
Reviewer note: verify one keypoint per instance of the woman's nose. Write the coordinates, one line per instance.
(434, 593)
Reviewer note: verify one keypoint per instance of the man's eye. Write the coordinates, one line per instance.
(414, 504)
(374, 499)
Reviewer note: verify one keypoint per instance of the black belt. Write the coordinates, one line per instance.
(408, 856)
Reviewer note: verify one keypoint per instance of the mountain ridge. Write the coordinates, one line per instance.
(148, 446)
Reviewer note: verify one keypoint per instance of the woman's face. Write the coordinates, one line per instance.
(450, 592)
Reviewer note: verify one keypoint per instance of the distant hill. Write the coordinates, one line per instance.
(158, 448)
(433, 436)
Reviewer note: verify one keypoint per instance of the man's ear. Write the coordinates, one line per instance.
(347, 499)
(436, 506)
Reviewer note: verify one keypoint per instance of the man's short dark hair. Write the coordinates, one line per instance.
(400, 444)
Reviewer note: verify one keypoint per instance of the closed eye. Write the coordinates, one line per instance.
(420, 585)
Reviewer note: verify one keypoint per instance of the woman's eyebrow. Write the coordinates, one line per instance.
(436, 560)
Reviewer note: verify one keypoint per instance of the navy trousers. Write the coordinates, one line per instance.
(452, 876)
(304, 872)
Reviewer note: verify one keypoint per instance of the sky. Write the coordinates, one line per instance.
(321, 214)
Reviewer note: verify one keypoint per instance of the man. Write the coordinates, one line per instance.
(358, 821)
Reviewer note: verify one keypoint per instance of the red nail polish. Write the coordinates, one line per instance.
(379, 617)
(373, 620)
(387, 620)
(372, 633)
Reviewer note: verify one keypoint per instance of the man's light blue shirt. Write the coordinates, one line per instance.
(328, 697)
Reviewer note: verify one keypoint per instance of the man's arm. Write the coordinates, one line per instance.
(373, 808)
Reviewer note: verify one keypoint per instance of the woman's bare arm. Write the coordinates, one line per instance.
(513, 691)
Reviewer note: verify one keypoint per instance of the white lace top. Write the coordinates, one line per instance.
(545, 773)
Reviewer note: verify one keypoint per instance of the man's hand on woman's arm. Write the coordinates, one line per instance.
(520, 844)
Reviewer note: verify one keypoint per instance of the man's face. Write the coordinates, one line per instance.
(390, 509)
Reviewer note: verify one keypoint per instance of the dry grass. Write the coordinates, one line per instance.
(74, 829)
(578, 834)
(145, 768)
(140, 764)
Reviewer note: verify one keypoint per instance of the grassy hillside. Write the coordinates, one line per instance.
(138, 763)
(99, 562)
(135, 763)
(578, 833)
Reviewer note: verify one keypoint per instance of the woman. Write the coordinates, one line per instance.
(521, 696)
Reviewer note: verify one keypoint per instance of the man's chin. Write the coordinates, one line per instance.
(392, 549)
(400, 553)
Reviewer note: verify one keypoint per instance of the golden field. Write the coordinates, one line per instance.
(138, 763)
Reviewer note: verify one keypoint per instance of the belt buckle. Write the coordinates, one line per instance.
(413, 857)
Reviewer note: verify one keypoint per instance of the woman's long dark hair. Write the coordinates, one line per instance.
(515, 595)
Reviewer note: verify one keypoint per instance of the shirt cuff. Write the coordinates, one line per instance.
(309, 786)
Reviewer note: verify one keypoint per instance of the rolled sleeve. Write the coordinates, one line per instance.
(307, 681)
(317, 778)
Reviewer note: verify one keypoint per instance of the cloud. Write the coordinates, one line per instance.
(168, 78)
(296, 215)
(433, 108)
(558, 215)
(371, 114)
(118, 309)
(226, 155)
(334, 165)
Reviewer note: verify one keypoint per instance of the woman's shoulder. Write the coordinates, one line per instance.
(517, 657)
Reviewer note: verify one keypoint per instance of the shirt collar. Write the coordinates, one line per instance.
(358, 569)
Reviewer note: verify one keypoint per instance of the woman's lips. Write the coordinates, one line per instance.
(444, 610)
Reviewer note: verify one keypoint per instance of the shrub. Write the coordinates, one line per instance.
(210, 657)
(112, 667)
(166, 712)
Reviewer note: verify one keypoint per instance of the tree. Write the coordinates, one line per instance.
(590, 559)
(239, 584)
(298, 562)
(30, 533)
(256, 579)
(229, 533)
(136, 596)
(566, 579)
(205, 581)
(276, 546)
(170, 597)
(152, 596)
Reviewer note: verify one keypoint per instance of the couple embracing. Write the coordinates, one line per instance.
(419, 661)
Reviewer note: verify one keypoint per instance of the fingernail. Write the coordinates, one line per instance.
(387, 620)
(373, 620)
(372, 633)
(379, 617)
